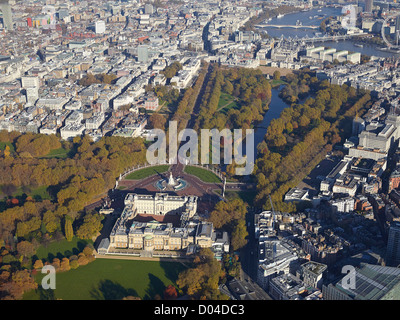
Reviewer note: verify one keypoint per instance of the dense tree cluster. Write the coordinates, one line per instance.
(171, 70)
(90, 79)
(101, 78)
(230, 216)
(36, 145)
(14, 284)
(319, 116)
(186, 105)
(248, 86)
(202, 280)
(157, 121)
(166, 94)
(89, 170)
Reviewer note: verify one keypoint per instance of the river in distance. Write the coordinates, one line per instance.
(314, 17)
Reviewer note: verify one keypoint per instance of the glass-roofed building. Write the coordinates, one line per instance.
(372, 282)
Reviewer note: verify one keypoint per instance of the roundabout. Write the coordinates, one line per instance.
(171, 184)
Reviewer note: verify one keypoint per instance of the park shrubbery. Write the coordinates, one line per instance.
(89, 170)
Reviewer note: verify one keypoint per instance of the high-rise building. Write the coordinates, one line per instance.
(393, 245)
(148, 9)
(397, 24)
(143, 53)
(5, 8)
(368, 5)
(100, 27)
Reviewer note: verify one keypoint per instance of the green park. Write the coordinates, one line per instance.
(110, 279)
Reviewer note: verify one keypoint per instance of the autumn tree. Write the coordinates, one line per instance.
(277, 75)
(68, 230)
(38, 264)
(18, 283)
(90, 227)
(226, 212)
(170, 293)
(202, 281)
(157, 121)
(26, 249)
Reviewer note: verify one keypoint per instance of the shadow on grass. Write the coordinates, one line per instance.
(156, 287)
(46, 294)
(172, 269)
(109, 290)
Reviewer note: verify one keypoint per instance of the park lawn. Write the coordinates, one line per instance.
(232, 105)
(4, 144)
(227, 102)
(277, 83)
(111, 279)
(60, 153)
(224, 99)
(40, 193)
(61, 249)
(202, 174)
(146, 172)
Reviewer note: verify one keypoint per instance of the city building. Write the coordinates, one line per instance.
(5, 8)
(393, 245)
(143, 53)
(155, 238)
(275, 257)
(312, 273)
(368, 6)
(100, 27)
(161, 204)
(289, 287)
(372, 282)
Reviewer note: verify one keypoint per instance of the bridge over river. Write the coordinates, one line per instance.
(286, 26)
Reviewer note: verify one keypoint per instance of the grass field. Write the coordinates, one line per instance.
(109, 279)
(4, 144)
(40, 193)
(202, 174)
(146, 172)
(61, 249)
(227, 102)
(277, 83)
(60, 153)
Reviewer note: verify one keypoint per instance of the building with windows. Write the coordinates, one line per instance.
(311, 273)
(131, 236)
(100, 27)
(161, 204)
(151, 102)
(275, 257)
(5, 8)
(373, 282)
(393, 245)
(143, 53)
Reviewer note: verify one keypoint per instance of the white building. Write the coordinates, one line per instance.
(95, 121)
(275, 257)
(75, 117)
(71, 131)
(161, 204)
(100, 27)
